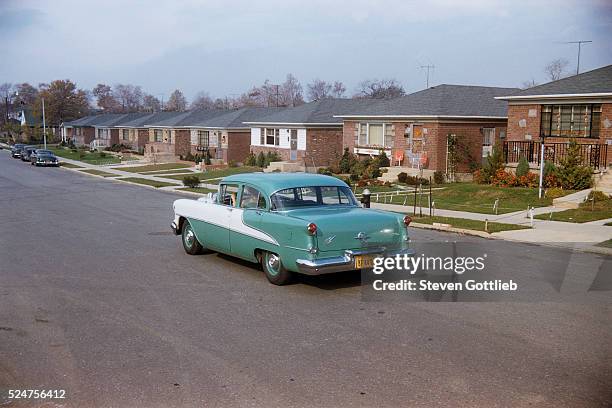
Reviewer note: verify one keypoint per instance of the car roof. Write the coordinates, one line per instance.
(272, 182)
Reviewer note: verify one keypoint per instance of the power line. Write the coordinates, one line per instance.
(580, 42)
(428, 67)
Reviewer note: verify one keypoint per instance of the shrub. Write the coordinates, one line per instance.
(82, 154)
(402, 177)
(554, 192)
(250, 160)
(523, 167)
(494, 163)
(191, 181)
(261, 160)
(572, 174)
(102, 154)
(478, 177)
(439, 177)
(207, 158)
(382, 159)
(325, 170)
(272, 157)
(232, 163)
(347, 161)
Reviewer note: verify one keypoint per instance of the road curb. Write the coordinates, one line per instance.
(462, 231)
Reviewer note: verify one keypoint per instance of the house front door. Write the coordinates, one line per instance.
(488, 140)
(293, 144)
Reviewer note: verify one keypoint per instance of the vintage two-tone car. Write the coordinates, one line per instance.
(290, 222)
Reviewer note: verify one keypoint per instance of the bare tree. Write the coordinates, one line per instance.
(318, 89)
(177, 101)
(129, 97)
(291, 92)
(556, 69)
(105, 98)
(379, 89)
(202, 100)
(338, 89)
(150, 103)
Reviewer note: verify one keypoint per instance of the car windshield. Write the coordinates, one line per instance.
(46, 156)
(299, 197)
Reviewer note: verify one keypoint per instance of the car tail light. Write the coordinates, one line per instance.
(312, 228)
(407, 220)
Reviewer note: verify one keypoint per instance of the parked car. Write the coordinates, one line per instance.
(290, 223)
(26, 151)
(36, 152)
(16, 150)
(46, 159)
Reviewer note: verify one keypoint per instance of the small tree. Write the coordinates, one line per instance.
(572, 174)
(345, 161)
(523, 167)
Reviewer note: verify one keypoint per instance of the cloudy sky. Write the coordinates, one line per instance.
(225, 47)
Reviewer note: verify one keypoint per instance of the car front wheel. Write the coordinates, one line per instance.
(274, 269)
(190, 241)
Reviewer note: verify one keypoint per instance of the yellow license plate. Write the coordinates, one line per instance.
(364, 262)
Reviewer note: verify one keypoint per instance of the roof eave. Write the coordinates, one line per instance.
(555, 96)
(295, 124)
(420, 117)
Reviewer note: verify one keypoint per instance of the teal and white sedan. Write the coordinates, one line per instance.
(290, 223)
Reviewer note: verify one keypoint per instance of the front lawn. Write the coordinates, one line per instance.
(164, 172)
(606, 244)
(470, 224)
(98, 158)
(219, 173)
(99, 173)
(153, 167)
(200, 190)
(153, 183)
(600, 211)
(478, 198)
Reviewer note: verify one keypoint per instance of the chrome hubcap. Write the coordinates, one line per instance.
(189, 237)
(273, 263)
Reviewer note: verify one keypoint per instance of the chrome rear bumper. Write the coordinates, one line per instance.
(342, 263)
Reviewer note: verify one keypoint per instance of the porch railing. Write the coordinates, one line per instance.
(593, 154)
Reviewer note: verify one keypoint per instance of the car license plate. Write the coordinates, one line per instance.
(364, 262)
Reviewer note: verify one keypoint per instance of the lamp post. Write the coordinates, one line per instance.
(541, 189)
(44, 123)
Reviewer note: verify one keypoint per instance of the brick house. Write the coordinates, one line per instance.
(136, 133)
(308, 134)
(578, 107)
(222, 133)
(414, 129)
(85, 130)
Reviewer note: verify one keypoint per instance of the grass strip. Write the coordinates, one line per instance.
(147, 182)
(475, 225)
(99, 173)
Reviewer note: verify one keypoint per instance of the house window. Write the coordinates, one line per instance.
(488, 136)
(125, 134)
(262, 137)
(570, 120)
(158, 135)
(272, 137)
(203, 138)
(376, 134)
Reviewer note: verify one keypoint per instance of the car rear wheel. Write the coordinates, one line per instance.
(190, 241)
(274, 269)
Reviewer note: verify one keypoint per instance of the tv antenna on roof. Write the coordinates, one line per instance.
(580, 42)
(428, 67)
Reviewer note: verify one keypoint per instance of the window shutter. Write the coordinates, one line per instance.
(301, 142)
(194, 137)
(255, 136)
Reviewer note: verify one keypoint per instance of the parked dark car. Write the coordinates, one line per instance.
(16, 150)
(38, 152)
(26, 151)
(46, 159)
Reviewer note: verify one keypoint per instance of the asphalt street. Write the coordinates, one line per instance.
(98, 298)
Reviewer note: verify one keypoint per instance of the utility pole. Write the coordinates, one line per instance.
(44, 123)
(580, 42)
(428, 67)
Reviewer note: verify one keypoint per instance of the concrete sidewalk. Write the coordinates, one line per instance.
(556, 233)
